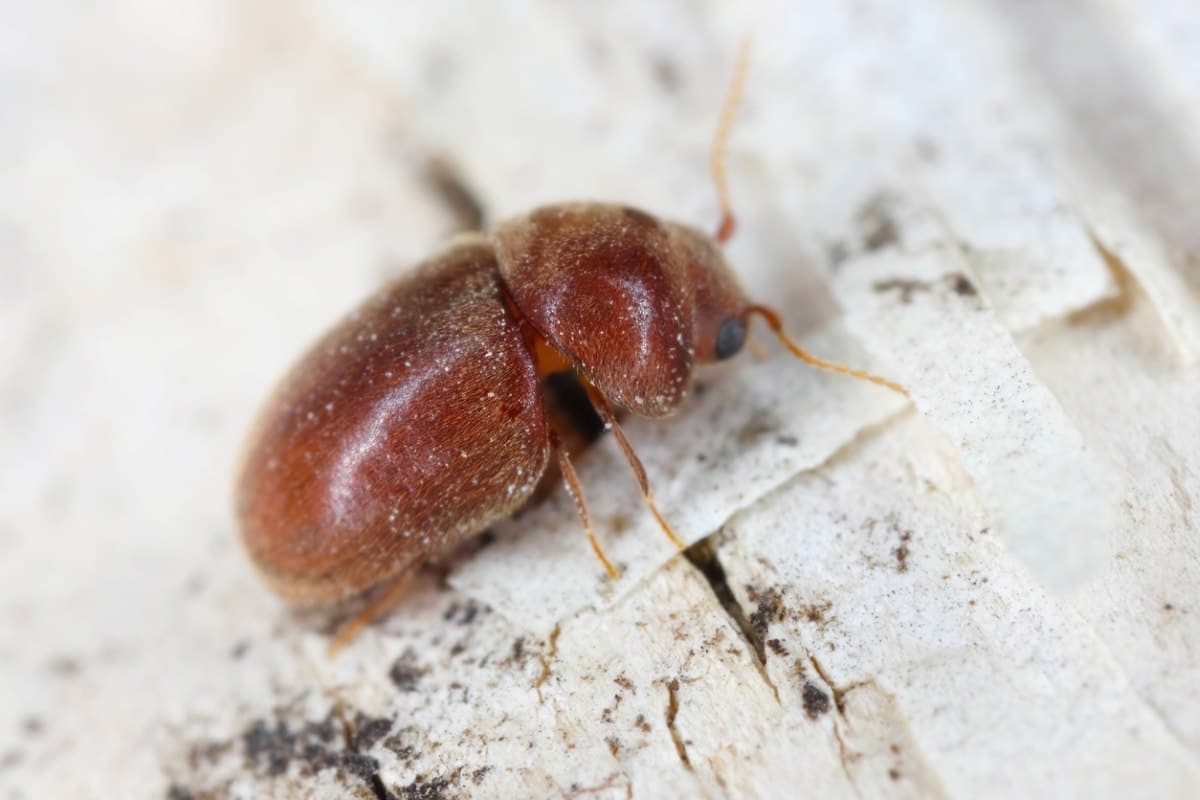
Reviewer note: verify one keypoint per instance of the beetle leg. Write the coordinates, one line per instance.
(571, 479)
(381, 603)
(610, 420)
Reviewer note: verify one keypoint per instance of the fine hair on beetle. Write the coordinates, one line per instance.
(433, 410)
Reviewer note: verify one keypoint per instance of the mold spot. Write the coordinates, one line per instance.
(360, 766)
(368, 731)
(906, 286)
(816, 702)
(877, 226)
(271, 747)
(964, 287)
(759, 425)
(517, 654)
(268, 749)
(815, 613)
(468, 612)
(666, 73)
(901, 552)
(64, 666)
(397, 745)
(837, 253)
(770, 608)
(405, 673)
(423, 788)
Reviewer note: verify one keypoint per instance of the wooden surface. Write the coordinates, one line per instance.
(991, 591)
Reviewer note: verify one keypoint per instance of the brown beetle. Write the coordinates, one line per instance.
(421, 419)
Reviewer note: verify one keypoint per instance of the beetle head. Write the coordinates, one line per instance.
(719, 306)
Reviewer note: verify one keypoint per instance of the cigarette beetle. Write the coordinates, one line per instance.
(421, 419)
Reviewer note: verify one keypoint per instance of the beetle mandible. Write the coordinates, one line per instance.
(420, 419)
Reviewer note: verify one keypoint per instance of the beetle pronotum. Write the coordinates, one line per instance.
(420, 419)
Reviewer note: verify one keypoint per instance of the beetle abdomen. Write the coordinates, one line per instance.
(413, 425)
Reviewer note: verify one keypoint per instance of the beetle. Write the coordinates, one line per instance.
(421, 418)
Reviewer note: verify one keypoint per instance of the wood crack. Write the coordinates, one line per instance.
(703, 556)
(672, 710)
(551, 654)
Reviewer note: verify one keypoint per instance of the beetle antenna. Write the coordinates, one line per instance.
(717, 158)
(776, 325)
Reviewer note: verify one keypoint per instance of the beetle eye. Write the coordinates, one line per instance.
(730, 337)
